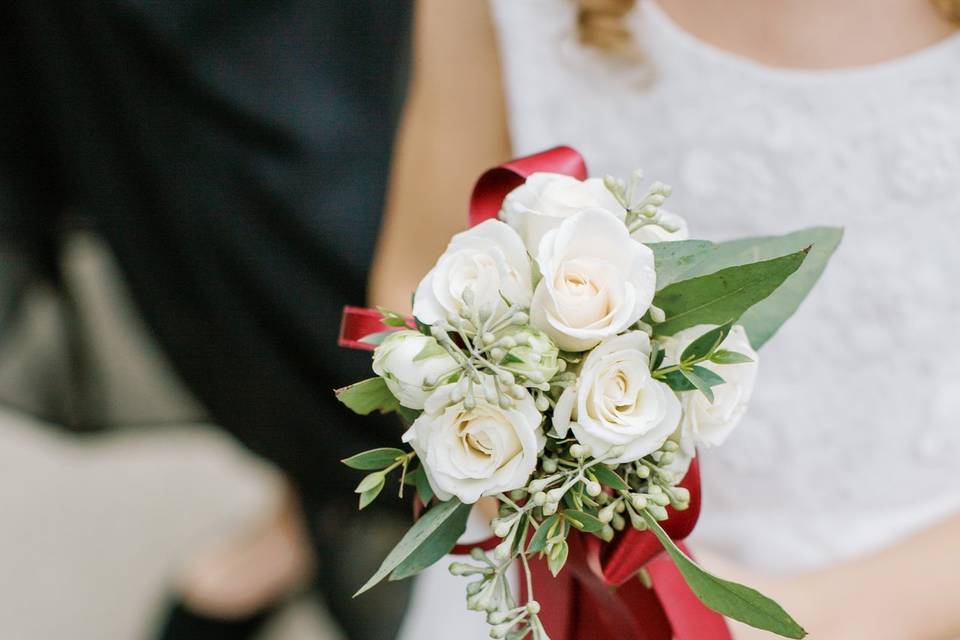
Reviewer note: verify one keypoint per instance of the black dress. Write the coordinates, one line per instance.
(234, 157)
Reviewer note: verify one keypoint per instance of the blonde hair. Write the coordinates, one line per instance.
(601, 24)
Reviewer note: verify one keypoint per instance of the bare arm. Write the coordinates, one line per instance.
(909, 591)
(453, 128)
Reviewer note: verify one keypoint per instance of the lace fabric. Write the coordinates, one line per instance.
(853, 436)
(853, 433)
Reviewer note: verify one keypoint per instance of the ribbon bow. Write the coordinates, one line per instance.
(599, 594)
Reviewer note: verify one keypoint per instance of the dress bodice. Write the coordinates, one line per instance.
(853, 436)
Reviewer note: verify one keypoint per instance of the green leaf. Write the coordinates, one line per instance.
(408, 415)
(694, 378)
(374, 459)
(424, 490)
(674, 259)
(582, 521)
(376, 338)
(371, 494)
(367, 396)
(722, 296)
(370, 482)
(430, 350)
(557, 557)
(656, 357)
(723, 356)
(728, 598)
(706, 344)
(679, 382)
(392, 318)
(765, 318)
(539, 540)
(439, 545)
(432, 536)
(608, 477)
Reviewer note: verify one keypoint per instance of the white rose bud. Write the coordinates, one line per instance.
(479, 268)
(707, 423)
(476, 451)
(409, 361)
(616, 405)
(597, 281)
(668, 228)
(542, 202)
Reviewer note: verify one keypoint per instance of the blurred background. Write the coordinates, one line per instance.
(189, 193)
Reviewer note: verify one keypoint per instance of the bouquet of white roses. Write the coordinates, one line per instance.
(567, 358)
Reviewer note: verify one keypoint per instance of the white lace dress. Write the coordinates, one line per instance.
(852, 441)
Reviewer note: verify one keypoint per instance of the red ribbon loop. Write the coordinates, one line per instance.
(494, 185)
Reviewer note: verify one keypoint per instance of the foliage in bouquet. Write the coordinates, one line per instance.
(567, 360)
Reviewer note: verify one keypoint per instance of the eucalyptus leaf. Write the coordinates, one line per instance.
(392, 318)
(557, 557)
(679, 382)
(408, 415)
(724, 356)
(766, 317)
(722, 296)
(375, 338)
(706, 344)
(539, 540)
(702, 385)
(582, 520)
(369, 482)
(674, 259)
(374, 459)
(424, 490)
(728, 598)
(608, 477)
(371, 494)
(367, 396)
(432, 536)
(439, 545)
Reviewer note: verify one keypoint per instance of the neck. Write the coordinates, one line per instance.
(813, 34)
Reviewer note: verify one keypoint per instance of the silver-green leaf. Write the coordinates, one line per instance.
(367, 396)
(432, 536)
(374, 459)
(728, 598)
(722, 296)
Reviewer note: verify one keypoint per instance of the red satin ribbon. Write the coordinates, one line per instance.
(598, 595)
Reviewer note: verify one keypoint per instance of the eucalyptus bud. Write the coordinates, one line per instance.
(657, 511)
(542, 403)
(550, 465)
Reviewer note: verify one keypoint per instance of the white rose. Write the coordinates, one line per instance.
(488, 260)
(597, 281)
(710, 423)
(412, 364)
(617, 403)
(670, 227)
(545, 199)
(485, 450)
